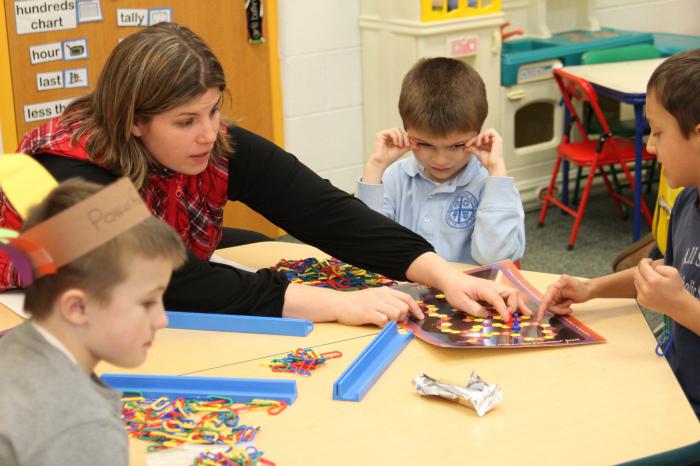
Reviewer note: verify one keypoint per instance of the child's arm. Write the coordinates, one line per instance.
(499, 231)
(566, 291)
(389, 146)
(661, 289)
(488, 148)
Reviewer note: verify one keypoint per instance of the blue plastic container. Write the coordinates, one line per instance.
(566, 46)
(668, 44)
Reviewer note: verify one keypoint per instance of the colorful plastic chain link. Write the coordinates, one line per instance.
(330, 273)
(215, 421)
(302, 361)
(234, 456)
(665, 339)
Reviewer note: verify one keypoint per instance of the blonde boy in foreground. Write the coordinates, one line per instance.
(105, 305)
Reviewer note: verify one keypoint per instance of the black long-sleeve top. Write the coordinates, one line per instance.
(277, 185)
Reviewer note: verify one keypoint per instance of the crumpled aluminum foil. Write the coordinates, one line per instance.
(477, 394)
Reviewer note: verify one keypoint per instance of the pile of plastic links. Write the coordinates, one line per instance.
(213, 421)
(234, 456)
(302, 361)
(330, 273)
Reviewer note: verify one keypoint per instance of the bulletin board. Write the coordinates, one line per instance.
(56, 50)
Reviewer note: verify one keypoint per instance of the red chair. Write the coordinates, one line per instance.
(595, 153)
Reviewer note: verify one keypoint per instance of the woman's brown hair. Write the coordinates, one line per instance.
(148, 73)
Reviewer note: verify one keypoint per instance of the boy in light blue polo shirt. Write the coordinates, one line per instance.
(454, 190)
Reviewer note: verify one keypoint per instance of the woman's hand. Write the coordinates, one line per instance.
(376, 306)
(466, 293)
(475, 295)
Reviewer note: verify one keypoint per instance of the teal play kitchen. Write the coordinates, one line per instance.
(531, 117)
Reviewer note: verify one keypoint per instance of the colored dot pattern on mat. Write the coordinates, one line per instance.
(302, 361)
(330, 273)
(212, 421)
(462, 329)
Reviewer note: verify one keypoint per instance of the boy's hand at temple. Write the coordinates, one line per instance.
(488, 148)
(389, 146)
(660, 287)
(561, 294)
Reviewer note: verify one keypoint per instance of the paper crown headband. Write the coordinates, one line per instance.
(66, 236)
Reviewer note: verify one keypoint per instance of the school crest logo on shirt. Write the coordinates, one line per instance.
(462, 211)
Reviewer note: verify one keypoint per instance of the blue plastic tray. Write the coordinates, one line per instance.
(242, 324)
(176, 386)
(364, 371)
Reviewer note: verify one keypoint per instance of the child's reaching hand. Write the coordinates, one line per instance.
(561, 294)
(488, 148)
(389, 146)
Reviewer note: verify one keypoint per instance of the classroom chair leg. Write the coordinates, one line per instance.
(577, 185)
(548, 194)
(618, 189)
(612, 191)
(582, 206)
(652, 171)
(613, 175)
(630, 179)
(615, 180)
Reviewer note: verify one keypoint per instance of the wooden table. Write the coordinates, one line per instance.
(597, 404)
(625, 82)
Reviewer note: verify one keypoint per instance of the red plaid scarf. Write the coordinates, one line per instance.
(192, 204)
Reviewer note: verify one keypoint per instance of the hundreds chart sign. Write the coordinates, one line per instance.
(447, 327)
(32, 16)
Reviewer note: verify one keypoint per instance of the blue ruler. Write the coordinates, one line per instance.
(364, 371)
(241, 324)
(176, 386)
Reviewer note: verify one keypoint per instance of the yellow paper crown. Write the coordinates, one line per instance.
(70, 234)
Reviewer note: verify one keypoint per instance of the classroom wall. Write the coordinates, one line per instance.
(322, 86)
(320, 54)
(672, 16)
